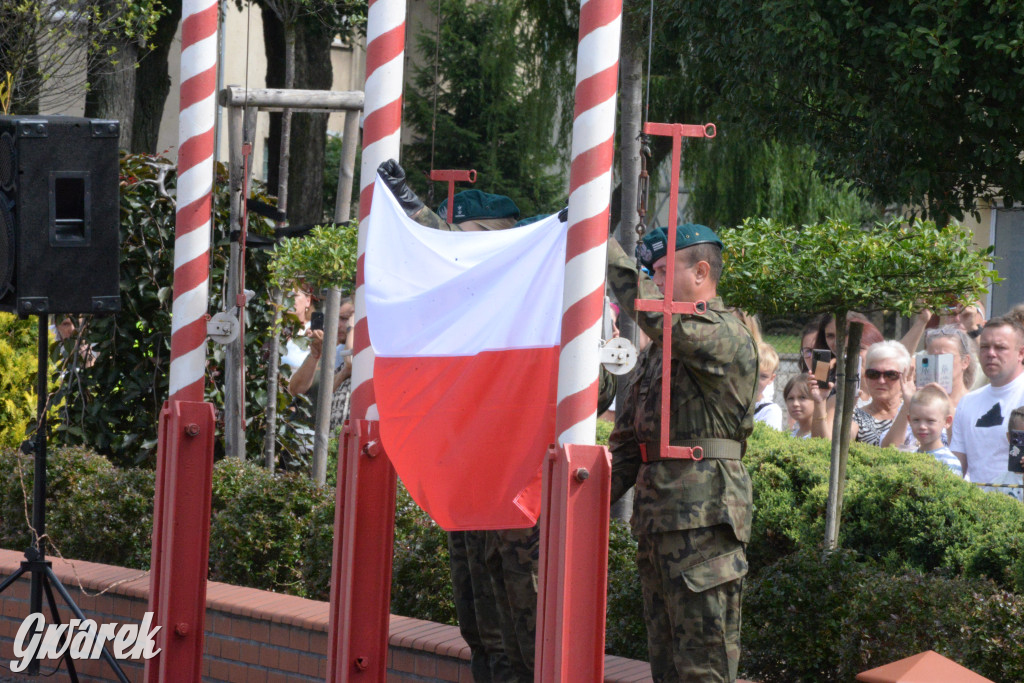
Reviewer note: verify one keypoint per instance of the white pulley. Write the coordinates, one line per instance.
(618, 355)
(222, 327)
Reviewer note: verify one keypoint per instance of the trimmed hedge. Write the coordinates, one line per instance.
(906, 511)
(825, 616)
(808, 616)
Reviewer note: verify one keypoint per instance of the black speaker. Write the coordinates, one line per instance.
(59, 215)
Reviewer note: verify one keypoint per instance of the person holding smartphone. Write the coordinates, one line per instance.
(887, 370)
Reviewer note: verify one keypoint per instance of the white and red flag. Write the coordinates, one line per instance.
(465, 328)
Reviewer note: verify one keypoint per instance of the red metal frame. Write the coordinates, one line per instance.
(181, 540)
(677, 131)
(573, 580)
(364, 526)
(452, 177)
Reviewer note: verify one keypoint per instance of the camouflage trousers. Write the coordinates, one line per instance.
(494, 580)
(692, 586)
(475, 605)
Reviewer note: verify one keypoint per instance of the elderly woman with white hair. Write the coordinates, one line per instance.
(887, 366)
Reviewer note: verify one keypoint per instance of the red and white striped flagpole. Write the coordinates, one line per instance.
(364, 519)
(181, 516)
(590, 183)
(572, 581)
(382, 129)
(194, 198)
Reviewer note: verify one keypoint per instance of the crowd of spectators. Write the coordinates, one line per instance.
(963, 418)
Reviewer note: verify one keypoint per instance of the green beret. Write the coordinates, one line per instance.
(471, 205)
(654, 244)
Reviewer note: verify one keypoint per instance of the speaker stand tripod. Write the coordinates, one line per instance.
(39, 569)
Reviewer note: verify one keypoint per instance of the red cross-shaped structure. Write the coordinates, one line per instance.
(452, 177)
(667, 306)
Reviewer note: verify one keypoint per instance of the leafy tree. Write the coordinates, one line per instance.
(735, 176)
(917, 103)
(325, 259)
(43, 44)
(496, 107)
(837, 267)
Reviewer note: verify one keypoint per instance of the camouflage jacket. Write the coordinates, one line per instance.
(431, 219)
(713, 392)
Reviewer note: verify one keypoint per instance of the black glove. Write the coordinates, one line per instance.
(393, 176)
(563, 215)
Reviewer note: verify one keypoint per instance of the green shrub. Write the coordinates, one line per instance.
(95, 511)
(18, 364)
(421, 580)
(904, 510)
(626, 633)
(257, 539)
(820, 617)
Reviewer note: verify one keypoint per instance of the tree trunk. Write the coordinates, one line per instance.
(631, 88)
(308, 132)
(849, 403)
(273, 48)
(153, 83)
(270, 440)
(847, 357)
(111, 93)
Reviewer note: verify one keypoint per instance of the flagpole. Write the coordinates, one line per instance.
(590, 182)
(179, 558)
(364, 518)
(382, 130)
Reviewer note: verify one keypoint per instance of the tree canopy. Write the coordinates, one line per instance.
(496, 106)
(834, 266)
(917, 102)
(41, 43)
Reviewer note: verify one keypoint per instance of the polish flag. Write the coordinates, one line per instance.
(465, 328)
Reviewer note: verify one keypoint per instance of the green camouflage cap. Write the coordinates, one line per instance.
(471, 205)
(654, 244)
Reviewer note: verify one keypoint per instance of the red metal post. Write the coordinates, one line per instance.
(364, 525)
(181, 540)
(573, 564)
(453, 177)
(667, 306)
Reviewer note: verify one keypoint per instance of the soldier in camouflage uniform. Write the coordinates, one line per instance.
(691, 517)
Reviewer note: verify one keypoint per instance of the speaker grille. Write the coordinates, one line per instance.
(7, 164)
(6, 248)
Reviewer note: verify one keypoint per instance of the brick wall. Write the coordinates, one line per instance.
(252, 636)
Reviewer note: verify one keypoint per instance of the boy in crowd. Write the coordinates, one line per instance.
(767, 411)
(930, 415)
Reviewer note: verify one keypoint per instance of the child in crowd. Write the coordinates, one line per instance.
(930, 416)
(767, 411)
(799, 404)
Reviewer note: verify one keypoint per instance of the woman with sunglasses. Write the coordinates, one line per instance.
(887, 369)
(887, 366)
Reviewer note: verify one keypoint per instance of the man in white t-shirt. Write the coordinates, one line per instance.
(979, 428)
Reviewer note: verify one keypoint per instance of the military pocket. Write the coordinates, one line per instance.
(716, 571)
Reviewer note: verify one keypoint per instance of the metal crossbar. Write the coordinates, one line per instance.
(667, 305)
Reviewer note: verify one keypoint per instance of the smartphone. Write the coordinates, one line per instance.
(1016, 451)
(316, 321)
(822, 364)
(934, 368)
